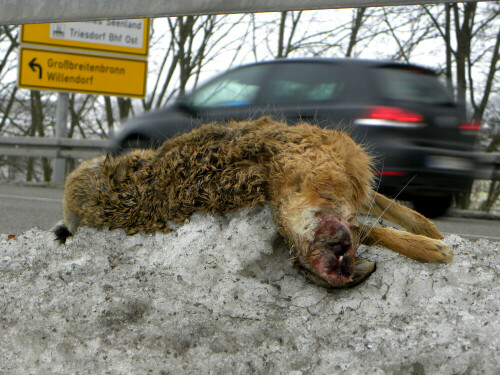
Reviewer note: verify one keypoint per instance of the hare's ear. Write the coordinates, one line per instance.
(115, 170)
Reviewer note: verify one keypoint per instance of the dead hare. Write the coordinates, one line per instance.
(317, 181)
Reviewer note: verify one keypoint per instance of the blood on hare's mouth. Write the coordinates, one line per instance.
(331, 255)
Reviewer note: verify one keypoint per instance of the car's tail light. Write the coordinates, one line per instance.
(470, 125)
(391, 173)
(394, 114)
(391, 116)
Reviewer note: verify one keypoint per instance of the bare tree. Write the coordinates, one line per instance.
(79, 106)
(191, 43)
(7, 98)
(6, 33)
(473, 26)
(297, 33)
(285, 44)
(37, 126)
(408, 28)
(470, 28)
(357, 23)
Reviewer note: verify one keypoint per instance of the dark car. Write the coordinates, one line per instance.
(401, 112)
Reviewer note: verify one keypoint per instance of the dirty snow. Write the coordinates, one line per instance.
(218, 295)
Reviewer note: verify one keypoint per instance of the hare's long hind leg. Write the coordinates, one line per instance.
(409, 219)
(415, 246)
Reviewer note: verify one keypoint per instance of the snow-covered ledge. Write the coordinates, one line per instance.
(218, 295)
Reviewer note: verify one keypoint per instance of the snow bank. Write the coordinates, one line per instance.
(218, 295)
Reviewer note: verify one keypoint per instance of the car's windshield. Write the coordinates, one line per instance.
(238, 87)
(412, 85)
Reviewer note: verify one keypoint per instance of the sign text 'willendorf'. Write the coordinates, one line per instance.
(78, 72)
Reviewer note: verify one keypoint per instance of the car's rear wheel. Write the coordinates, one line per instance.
(432, 206)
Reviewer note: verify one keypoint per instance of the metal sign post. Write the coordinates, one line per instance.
(59, 164)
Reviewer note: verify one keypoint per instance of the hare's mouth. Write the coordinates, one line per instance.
(331, 254)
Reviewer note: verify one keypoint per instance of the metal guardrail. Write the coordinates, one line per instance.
(488, 164)
(36, 11)
(66, 148)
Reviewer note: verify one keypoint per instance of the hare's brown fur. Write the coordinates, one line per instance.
(316, 179)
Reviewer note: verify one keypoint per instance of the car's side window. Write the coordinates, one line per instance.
(239, 87)
(304, 82)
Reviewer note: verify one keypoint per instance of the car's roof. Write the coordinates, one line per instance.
(339, 60)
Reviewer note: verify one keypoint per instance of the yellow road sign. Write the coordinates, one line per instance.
(80, 72)
(120, 36)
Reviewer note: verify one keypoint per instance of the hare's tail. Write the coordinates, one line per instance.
(62, 232)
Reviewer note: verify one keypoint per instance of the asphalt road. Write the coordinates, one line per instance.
(25, 207)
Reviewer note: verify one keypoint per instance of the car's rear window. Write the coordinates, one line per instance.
(411, 84)
(303, 82)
